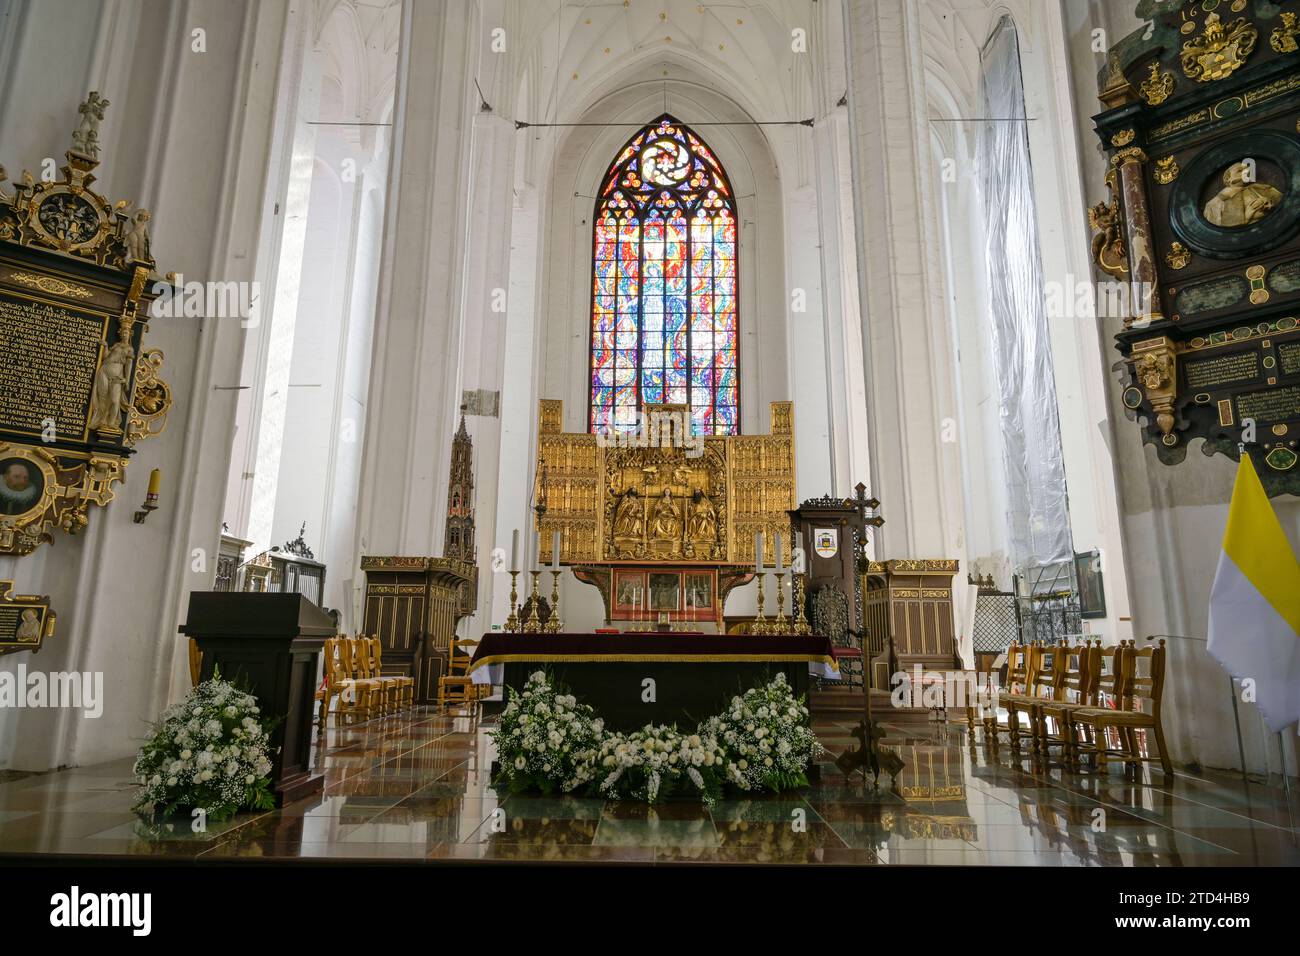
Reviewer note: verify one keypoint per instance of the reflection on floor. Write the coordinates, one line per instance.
(416, 788)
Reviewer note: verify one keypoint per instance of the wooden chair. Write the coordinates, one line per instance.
(402, 686)
(1046, 670)
(1077, 691)
(365, 699)
(456, 686)
(1141, 679)
(1105, 695)
(332, 687)
(1018, 656)
(322, 694)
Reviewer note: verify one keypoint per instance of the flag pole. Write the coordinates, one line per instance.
(1236, 717)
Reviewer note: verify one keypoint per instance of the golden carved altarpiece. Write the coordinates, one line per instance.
(666, 500)
(663, 497)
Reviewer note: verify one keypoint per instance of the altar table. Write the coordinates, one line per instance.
(694, 675)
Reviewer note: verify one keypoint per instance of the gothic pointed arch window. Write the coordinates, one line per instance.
(663, 305)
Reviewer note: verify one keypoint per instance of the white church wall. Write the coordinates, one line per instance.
(186, 135)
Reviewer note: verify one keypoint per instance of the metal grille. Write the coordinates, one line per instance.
(1049, 618)
(997, 621)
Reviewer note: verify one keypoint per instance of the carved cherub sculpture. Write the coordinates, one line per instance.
(1107, 245)
(85, 139)
(135, 235)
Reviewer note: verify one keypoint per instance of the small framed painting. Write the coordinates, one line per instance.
(665, 591)
(1092, 596)
(630, 594)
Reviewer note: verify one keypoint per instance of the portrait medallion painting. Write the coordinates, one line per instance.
(21, 486)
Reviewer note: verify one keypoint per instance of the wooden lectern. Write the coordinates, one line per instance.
(267, 644)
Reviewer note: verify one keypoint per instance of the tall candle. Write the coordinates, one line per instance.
(555, 550)
(780, 559)
(514, 551)
(758, 552)
(155, 480)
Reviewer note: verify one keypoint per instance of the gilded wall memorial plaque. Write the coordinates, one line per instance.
(1207, 173)
(48, 356)
(77, 387)
(25, 620)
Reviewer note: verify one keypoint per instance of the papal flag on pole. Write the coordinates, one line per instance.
(1255, 602)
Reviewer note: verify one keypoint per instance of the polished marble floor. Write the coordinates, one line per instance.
(416, 788)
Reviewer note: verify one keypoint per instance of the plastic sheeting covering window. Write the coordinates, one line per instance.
(1039, 518)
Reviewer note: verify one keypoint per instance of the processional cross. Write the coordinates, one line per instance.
(866, 508)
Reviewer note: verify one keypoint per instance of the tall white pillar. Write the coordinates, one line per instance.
(910, 402)
(413, 404)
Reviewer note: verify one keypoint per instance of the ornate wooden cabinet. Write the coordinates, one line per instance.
(413, 605)
(907, 611)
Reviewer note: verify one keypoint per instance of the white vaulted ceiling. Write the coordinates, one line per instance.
(580, 50)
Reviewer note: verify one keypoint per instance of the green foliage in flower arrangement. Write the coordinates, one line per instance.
(547, 741)
(211, 751)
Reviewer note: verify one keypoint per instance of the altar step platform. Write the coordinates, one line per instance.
(845, 703)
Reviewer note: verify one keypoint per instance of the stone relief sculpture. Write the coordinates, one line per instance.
(1242, 200)
(109, 400)
(135, 235)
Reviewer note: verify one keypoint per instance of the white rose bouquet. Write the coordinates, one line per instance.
(657, 761)
(546, 740)
(767, 738)
(209, 751)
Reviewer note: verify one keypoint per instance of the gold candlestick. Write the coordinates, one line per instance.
(512, 622)
(553, 625)
(760, 625)
(801, 625)
(780, 625)
(534, 623)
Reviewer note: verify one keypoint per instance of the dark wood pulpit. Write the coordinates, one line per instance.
(267, 644)
(832, 532)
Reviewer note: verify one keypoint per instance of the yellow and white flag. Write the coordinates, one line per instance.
(1255, 602)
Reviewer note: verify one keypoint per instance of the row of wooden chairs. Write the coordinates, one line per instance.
(1094, 701)
(355, 685)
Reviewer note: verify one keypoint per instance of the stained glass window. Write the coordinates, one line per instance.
(663, 303)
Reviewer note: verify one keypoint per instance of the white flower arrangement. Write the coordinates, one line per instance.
(209, 751)
(767, 738)
(548, 741)
(658, 760)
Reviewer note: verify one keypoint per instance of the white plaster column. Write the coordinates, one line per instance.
(188, 135)
(265, 381)
(485, 294)
(414, 391)
(909, 389)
